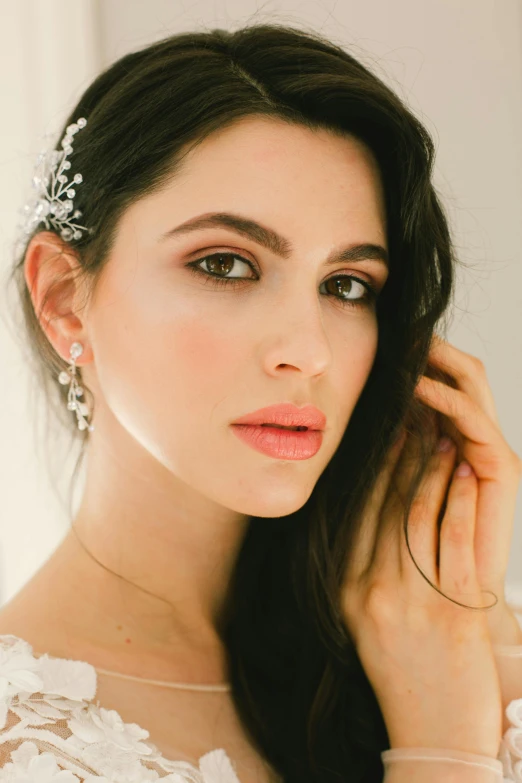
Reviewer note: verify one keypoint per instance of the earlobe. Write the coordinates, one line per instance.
(49, 271)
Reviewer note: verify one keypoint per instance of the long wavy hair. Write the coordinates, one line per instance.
(297, 682)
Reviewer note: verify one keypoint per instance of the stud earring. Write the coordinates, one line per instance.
(75, 391)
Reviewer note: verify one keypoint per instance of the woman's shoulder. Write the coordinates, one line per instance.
(49, 723)
(40, 698)
(23, 673)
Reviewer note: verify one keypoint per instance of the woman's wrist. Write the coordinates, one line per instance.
(439, 765)
(508, 650)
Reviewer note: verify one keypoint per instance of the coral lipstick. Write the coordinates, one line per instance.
(281, 443)
(283, 431)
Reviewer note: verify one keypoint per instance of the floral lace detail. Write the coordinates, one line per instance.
(50, 732)
(511, 746)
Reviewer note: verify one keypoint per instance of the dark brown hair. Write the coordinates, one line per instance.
(297, 681)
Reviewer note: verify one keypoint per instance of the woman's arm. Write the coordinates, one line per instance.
(506, 632)
(437, 770)
(506, 629)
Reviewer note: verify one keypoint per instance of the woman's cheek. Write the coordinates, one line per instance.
(206, 354)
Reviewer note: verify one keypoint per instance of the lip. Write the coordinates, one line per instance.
(286, 414)
(278, 443)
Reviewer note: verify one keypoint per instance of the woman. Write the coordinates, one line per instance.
(252, 224)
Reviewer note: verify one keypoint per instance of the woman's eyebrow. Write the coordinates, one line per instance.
(270, 239)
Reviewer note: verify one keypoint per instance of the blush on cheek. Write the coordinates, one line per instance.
(205, 357)
(207, 367)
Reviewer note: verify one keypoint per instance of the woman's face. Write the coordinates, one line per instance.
(177, 357)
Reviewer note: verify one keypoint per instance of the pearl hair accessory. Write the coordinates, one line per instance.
(54, 201)
(75, 391)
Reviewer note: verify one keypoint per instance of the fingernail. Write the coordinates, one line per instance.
(445, 444)
(464, 469)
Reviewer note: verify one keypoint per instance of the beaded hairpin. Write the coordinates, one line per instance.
(54, 199)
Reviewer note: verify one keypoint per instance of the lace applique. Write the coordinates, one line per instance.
(50, 732)
(511, 745)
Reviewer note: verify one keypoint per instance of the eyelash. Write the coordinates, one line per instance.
(367, 300)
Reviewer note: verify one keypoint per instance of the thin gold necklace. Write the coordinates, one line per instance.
(180, 685)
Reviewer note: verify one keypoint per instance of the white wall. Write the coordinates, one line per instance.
(49, 52)
(458, 63)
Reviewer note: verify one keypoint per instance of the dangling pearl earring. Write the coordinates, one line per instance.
(75, 391)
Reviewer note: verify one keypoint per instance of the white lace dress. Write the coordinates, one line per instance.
(52, 730)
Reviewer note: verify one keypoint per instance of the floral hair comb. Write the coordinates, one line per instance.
(53, 204)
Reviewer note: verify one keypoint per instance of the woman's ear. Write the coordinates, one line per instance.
(52, 273)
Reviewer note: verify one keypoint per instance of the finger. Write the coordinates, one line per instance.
(457, 572)
(407, 466)
(423, 528)
(390, 522)
(484, 446)
(468, 372)
(364, 548)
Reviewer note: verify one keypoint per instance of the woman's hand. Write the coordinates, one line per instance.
(498, 468)
(429, 660)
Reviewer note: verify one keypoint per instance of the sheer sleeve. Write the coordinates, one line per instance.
(440, 765)
(437, 765)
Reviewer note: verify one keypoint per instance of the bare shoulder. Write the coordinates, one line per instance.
(36, 612)
(27, 616)
(21, 625)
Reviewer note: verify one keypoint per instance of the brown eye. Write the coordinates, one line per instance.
(343, 285)
(222, 263)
